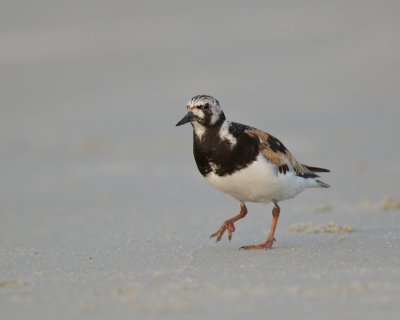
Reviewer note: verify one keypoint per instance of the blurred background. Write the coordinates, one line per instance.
(100, 198)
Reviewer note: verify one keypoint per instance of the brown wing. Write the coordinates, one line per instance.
(276, 153)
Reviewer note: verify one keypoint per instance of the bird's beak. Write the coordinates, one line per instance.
(187, 118)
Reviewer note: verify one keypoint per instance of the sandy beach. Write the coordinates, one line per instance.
(103, 213)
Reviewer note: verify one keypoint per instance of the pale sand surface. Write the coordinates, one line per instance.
(102, 211)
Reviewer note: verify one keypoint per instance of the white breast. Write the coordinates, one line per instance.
(259, 182)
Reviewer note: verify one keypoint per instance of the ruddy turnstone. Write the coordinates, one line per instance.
(244, 162)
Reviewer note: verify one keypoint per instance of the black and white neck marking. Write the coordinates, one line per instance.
(219, 146)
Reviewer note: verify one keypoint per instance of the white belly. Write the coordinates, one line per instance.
(259, 182)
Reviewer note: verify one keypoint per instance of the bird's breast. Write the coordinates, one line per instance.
(258, 182)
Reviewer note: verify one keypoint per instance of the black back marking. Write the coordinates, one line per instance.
(307, 175)
(283, 168)
(275, 144)
(215, 154)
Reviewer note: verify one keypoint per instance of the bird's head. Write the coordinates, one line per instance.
(204, 111)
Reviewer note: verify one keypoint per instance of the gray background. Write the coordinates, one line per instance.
(102, 210)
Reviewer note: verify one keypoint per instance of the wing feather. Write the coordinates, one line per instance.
(276, 153)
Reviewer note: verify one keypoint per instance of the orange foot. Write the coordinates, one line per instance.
(265, 245)
(227, 225)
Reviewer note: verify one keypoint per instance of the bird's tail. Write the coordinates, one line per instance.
(313, 183)
(322, 184)
(310, 173)
(316, 169)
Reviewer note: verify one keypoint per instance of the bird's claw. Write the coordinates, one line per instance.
(265, 245)
(226, 226)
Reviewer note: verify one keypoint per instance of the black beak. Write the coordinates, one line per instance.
(187, 118)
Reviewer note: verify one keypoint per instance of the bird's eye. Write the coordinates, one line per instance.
(206, 106)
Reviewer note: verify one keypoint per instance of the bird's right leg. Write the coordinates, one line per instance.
(229, 224)
(267, 244)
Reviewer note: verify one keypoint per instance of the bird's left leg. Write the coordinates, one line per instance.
(229, 224)
(270, 240)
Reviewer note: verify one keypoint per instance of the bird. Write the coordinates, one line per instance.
(246, 163)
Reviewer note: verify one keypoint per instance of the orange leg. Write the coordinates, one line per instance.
(229, 224)
(270, 240)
